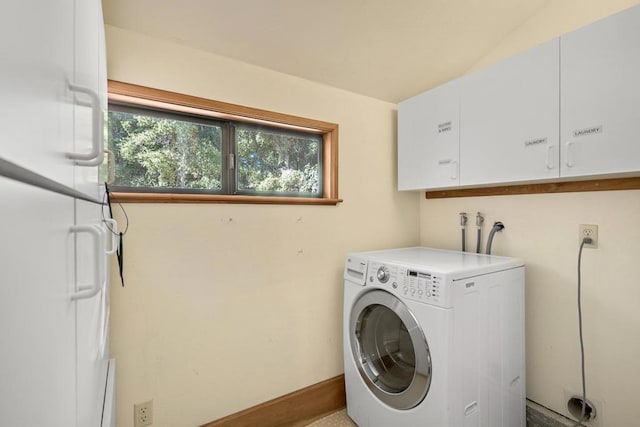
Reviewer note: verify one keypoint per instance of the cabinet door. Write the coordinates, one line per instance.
(37, 316)
(36, 109)
(428, 139)
(600, 96)
(509, 119)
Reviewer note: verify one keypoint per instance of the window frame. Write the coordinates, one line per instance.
(145, 97)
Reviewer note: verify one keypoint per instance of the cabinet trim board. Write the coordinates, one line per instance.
(554, 187)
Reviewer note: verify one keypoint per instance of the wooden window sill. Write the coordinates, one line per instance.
(218, 198)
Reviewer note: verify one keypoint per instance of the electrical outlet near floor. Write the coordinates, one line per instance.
(591, 231)
(143, 414)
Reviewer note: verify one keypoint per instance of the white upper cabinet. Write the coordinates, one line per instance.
(428, 139)
(600, 97)
(567, 108)
(509, 117)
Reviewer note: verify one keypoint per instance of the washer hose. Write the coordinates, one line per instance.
(479, 221)
(497, 226)
(463, 224)
(464, 240)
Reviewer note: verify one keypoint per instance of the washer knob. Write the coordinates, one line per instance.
(383, 274)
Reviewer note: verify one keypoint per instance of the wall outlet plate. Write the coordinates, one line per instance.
(588, 230)
(143, 414)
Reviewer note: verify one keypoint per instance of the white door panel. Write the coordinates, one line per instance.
(91, 364)
(37, 316)
(428, 139)
(88, 73)
(600, 96)
(509, 115)
(37, 66)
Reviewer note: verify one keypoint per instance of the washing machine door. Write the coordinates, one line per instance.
(390, 349)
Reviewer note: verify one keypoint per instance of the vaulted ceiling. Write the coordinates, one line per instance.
(386, 49)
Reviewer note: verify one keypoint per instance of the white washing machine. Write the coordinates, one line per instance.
(434, 338)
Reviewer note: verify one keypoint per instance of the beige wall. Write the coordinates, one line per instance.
(228, 306)
(543, 230)
(557, 18)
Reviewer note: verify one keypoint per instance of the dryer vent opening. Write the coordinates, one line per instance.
(574, 405)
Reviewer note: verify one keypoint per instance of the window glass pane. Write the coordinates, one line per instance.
(387, 349)
(275, 161)
(165, 153)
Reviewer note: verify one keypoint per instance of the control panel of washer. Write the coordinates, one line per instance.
(407, 282)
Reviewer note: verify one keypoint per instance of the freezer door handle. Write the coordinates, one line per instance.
(89, 291)
(112, 229)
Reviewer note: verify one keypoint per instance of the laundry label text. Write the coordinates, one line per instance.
(535, 142)
(587, 131)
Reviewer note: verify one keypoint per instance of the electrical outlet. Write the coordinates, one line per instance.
(143, 414)
(588, 230)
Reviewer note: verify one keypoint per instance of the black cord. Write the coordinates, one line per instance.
(120, 250)
(126, 217)
(584, 382)
(478, 240)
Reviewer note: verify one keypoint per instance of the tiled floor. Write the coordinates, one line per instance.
(537, 416)
(337, 419)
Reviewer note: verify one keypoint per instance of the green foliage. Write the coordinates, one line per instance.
(158, 152)
(165, 153)
(273, 162)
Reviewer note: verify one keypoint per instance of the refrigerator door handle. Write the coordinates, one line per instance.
(89, 291)
(96, 155)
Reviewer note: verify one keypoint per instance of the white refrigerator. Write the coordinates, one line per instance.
(55, 244)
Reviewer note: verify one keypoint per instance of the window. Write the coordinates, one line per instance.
(170, 147)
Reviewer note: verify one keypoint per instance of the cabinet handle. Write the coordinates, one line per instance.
(454, 165)
(96, 155)
(549, 151)
(92, 290)
(569, 160)
(111, 167)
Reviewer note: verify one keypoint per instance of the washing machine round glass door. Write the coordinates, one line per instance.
(390, 349)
